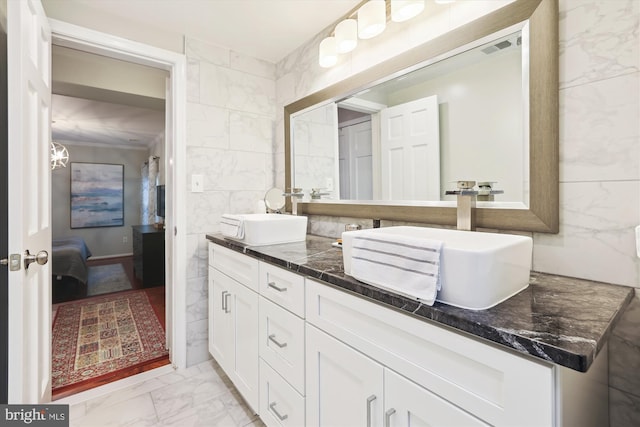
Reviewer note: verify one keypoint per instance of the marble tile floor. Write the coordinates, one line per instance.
(201, 395)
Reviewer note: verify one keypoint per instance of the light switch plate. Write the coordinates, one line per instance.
(329, 184)
(197, 183)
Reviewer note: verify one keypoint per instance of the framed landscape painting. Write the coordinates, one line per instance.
(97, 195)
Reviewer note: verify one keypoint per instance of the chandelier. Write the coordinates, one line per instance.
(59, 156)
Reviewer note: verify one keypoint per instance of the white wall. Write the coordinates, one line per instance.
(76, 68)
(102, 241)
(154, 35)
(477, 136)
(230, 126)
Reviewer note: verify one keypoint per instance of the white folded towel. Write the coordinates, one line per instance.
(232, 226)
(403, 264)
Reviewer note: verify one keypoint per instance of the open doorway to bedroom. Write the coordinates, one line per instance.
(108, 215)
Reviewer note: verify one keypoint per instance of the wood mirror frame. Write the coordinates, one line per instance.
(542, 214)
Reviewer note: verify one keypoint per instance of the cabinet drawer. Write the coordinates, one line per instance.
(282, 287)
(280, 404)
(238, 266)
(494, 384)
(282, 342)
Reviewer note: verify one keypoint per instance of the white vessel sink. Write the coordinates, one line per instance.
(271, 229)
(477, 270)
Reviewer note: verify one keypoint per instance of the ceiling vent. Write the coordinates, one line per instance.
(496, 47)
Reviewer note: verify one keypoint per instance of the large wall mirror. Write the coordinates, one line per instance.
(478, 103)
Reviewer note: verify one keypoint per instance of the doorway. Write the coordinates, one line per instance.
(124, 50)
(114, 136)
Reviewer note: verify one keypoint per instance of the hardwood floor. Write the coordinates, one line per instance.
(157, 299)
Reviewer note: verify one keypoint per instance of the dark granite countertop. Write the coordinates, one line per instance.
(559, 319)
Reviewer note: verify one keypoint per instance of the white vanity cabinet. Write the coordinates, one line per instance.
(454, 374)
(406, 404)
(233, 319)
(282, 338)
(302, 352)
(347, 388)
(344, 387)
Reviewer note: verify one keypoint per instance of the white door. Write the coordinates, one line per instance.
(220, 322)
(29, 99)
(409, 405)
(344, 387)
(410, 150)
(233, 332)
(243, 307)
(361, 161)
(344, 163)
(356, 167)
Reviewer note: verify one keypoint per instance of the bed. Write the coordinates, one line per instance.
(69, 267)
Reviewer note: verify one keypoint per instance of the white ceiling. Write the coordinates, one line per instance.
(265, 29)
(94, 122)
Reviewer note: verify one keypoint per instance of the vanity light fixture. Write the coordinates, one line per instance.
(328, 54)
(372, 19)
(367, 22)
(403, 10)
(346, 35)
(59, 155)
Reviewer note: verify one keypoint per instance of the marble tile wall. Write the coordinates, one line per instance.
(599, 149)
(230, 134)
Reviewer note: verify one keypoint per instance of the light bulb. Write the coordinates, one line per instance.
(346, 35)
(372, 19)
(328, 56)
(402, 10)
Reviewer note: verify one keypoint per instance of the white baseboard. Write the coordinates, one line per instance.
(91, 258)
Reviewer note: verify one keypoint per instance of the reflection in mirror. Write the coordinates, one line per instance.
(485, 132)
(412, 137)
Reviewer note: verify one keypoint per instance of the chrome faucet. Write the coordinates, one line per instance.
(296, 193)
(317, 194)
(466, 202)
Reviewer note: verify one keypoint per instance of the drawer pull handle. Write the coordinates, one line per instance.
(224, 301)
(370, 399)
(272, 406)
(387, 417)
(276, 287)
(272, 338)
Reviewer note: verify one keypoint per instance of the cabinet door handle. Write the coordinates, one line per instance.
(224, 301)
(272, 338)
(272, 406)
(276, 287)
(387, 417)
(370, 399)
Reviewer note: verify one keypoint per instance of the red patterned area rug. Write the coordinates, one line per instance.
(96, 336)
